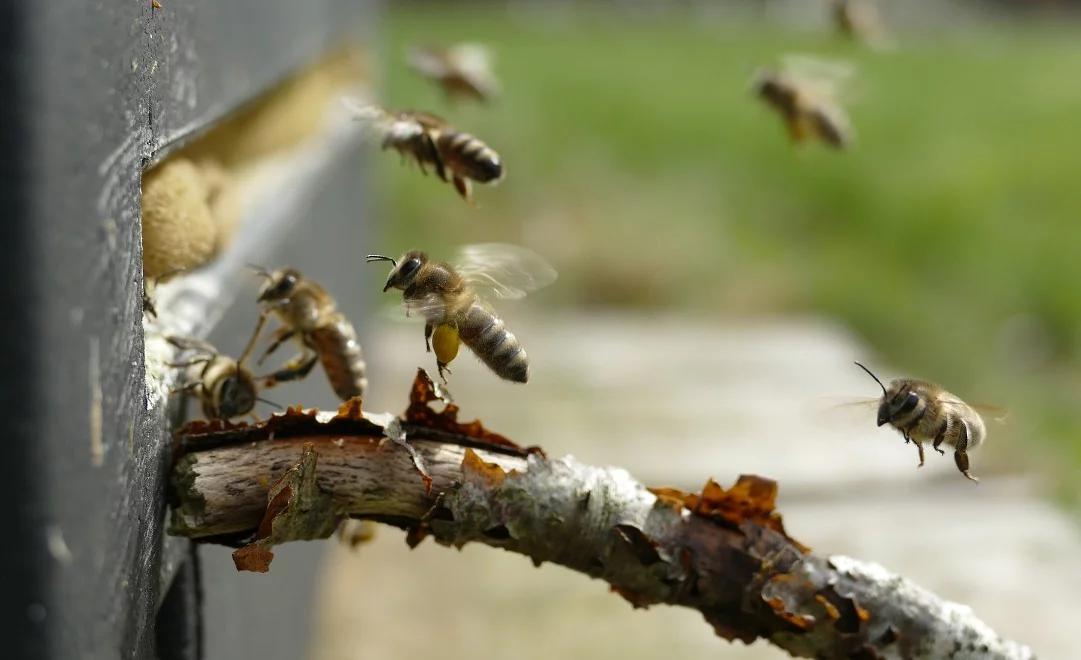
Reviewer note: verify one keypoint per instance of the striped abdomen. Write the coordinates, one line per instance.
(468, 157)
(339, 352)
(484, 333)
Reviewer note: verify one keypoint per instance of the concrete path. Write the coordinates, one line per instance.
(677, 401)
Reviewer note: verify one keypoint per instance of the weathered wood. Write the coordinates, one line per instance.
(723, 552)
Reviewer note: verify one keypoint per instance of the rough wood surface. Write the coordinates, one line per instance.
(723, 552)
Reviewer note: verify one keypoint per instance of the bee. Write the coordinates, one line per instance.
(455, 313)
(455, 156)
(804, 93)
(462, 70)
(309, 315)
(860, 20)
(224, 386)
(924, 412)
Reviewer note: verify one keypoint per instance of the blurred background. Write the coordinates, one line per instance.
(716, 284)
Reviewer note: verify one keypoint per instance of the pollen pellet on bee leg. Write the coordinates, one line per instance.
(445, 342)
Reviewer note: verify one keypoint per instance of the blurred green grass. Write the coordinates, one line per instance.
(640, 164)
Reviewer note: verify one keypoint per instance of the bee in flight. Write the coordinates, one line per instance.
(804, 92)
(924, 412)
(449, 299)
(455, 156)
(309, 315)
(860, 20)
(462, 70)
(224, 386)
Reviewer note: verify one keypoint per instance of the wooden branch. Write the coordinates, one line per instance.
(722, 552)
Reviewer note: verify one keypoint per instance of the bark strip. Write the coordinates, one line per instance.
(723, 552)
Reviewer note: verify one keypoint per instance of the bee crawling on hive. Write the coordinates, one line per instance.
(924, 412)
(805, 92)
(457, 157)
(462, 71)
(225, 387)
(448, 298)
(310, 315)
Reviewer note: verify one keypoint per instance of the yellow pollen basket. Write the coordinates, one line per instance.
(445, 343)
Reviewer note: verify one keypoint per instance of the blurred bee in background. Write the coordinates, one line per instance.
(804, 92)
(924, 412)
(309, 315)
(455, 312)
(860, 20)
(462, 70)
(224, 386)
(455, 156)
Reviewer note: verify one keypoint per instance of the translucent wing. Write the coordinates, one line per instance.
(430, 307)
(994, 413)
(473, 61)
(428, 62)
(503, 271)
(392, 126)
(818, 77)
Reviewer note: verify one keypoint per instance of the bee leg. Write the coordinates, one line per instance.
(186, 388)
(919, 448)
(437, 159)
(189, 363)
(461, 184)
(428, 330)
(443, 370)
(939, 437)
(281, 335)
(294, 369)
(960, 456)
(148, 305)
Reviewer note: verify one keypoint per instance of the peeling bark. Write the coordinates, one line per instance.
(722, 552)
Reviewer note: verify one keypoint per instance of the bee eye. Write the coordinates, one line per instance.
(410, 267)
(909, 403)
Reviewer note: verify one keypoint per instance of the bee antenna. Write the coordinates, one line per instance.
(869, 373)
(259, 270)
(268, 402)
(372, 258)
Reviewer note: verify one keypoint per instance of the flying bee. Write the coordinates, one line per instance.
(462, 70)
(860, 20)
(924, 412)
(455, 312)
(224, 386)
(804, 93)
(309, 315)
(455, 156)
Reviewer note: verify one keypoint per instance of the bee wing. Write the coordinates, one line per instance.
(474, 61)
(429, 62)
(400, 126)
(503, 271)
(823, 79)
(427, 306)
(994, 413)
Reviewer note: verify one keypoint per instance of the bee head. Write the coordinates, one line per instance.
(405, 269)
(279, 284)
(234, 395)
(771, 87)
(898, 400)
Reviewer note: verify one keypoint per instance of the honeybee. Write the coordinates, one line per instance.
(455, 313)
(430, 141)
(804, 92)
(462, 71)
(924, 412)
(224, 386)
(309, 315)
(859, 19)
